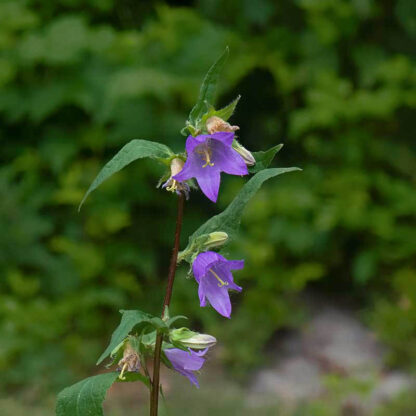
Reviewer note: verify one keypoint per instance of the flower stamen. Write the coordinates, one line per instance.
(206, 154)
(221, 282)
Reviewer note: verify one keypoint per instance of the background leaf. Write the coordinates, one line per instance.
(136, 149)
(85, 397)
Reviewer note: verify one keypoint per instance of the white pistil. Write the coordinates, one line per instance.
(121, 376)
(221, 282)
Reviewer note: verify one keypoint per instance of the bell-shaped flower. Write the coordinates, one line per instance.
(208, 156)
(213, 274)
(186, 362)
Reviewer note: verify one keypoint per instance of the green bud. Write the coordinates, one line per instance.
(216, 239)
(192, 339)
(244, 153)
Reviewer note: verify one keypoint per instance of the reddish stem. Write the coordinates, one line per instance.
(154, 394)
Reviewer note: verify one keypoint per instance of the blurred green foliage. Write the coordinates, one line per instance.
(332, 79)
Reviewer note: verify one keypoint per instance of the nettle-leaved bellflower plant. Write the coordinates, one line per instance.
(210, 149)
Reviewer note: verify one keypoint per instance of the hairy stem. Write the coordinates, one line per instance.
(154, 394)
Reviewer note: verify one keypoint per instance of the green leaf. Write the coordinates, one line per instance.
(85, 397)
(172, 320)
(225, 113)
(263, 159)
(135, 149)
(208, 87)
(129, 320)
(229, 219)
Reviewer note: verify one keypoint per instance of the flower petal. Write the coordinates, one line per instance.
(235, 264)
(224, 137)
(227, 159)
(210, 183)
(202, 261)
(218, 296)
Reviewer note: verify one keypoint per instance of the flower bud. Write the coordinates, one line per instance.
(244, 153)
(216, 124)
(200, 341)
(192, 339)
(215, 239)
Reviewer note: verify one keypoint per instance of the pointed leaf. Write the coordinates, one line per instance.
(263, 159)
(129, 320)
(85, 397)
(229, 219)
(225, 113)
(208, 87)
(136, 149)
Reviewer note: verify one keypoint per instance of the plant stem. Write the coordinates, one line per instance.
(154, 394)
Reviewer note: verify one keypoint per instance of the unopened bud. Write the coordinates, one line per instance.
(216, 124)
(244, 153)
(200, 341)
(216, 239)
(191, 339)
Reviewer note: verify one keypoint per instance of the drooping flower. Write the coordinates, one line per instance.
(213, 274)
(208, 156)
(129, 362)
(173, 185)
(186, 362)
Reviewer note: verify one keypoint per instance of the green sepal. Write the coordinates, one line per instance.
(131, 376)
(224, 113)
(172, 320)
(264, 158)
(135, 149)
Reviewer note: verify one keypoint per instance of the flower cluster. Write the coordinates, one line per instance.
(207, 156)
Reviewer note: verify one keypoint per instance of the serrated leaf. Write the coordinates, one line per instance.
(208, 87)
(135, 149)
(229, 220)
(263, 159)
(85, 397)
(129, 320)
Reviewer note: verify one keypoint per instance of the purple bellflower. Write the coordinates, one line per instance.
(213, 274)
(186, 362)
(208, 156)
